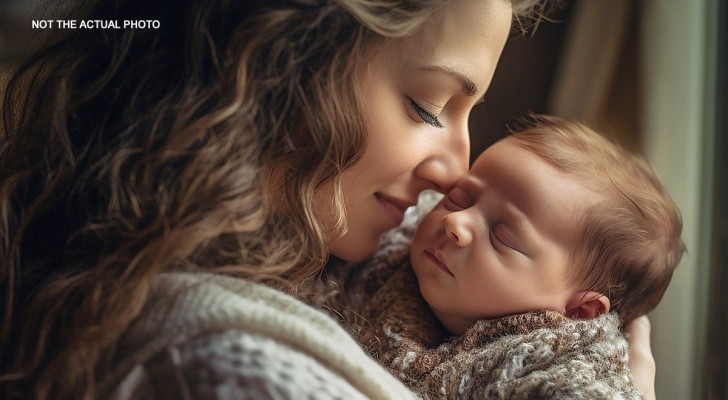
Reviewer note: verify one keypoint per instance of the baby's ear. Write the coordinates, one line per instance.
(587, 305)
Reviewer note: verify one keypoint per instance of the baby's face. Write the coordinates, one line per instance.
(497, 244)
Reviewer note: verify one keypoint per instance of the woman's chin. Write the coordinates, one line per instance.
(353, 251)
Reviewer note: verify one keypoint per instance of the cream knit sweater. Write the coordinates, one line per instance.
(209, 336)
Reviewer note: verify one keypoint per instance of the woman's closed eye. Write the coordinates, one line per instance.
(426, 117)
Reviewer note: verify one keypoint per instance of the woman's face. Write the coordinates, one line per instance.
(417, 93)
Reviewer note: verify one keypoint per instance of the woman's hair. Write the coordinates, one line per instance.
(196, 146)
(628, 244)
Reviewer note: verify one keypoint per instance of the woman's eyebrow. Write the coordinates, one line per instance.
(469, 87)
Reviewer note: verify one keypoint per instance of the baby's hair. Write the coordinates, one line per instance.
(628, 245)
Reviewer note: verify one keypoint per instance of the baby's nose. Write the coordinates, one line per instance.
(457, 229)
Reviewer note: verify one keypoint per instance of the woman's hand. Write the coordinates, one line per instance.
(641, 361)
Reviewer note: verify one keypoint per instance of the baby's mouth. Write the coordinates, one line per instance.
(433, 256)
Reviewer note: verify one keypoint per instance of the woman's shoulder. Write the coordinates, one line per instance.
(191, 311)
(181, 306)
(233, 364)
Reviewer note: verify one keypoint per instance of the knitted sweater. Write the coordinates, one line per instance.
(542, 354)
(207, 336)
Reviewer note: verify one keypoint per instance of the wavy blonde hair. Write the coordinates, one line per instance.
(628, 245)
(198, 146)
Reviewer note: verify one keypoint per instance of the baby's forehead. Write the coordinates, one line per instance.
(521, 176)
(512, 153)
(505, 153)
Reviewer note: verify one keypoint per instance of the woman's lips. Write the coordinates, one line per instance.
(393, 207)
(437, 260)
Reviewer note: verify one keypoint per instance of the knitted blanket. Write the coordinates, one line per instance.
(541, 354)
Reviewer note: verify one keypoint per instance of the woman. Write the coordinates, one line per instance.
(243, 139)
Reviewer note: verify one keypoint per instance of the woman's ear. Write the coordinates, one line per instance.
(587, 305)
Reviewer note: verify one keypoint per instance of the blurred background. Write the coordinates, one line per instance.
(649, 74)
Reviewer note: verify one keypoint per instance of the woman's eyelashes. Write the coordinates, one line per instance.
(424, 115)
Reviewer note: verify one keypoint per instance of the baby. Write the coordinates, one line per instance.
(551, 218)
(553, 227)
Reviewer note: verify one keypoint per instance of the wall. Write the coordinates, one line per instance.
(673, 56)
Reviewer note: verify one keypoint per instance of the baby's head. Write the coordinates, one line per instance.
(553, 217)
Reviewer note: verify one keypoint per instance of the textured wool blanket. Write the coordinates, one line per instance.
(536, 355)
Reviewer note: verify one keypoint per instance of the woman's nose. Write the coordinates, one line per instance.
(447, 162)
(457, 228)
